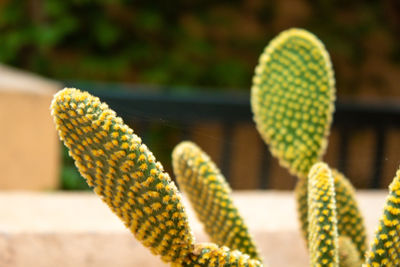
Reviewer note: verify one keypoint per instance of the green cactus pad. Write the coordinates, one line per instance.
(348, 253)
(350, 220)
(210, 255)
(123, 172)
(292, 99)
(209, 194)
(385, 249)
(302, 206)
(322, 228)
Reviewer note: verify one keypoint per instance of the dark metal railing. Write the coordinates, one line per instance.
(146, 105)
(380, 117)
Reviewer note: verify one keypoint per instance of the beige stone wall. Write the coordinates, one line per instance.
(78, 230)
(29, 148)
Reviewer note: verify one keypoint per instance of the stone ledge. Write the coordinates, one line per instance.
(77, 229)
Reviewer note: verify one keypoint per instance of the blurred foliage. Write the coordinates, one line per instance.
(202, 43)
(195, 43)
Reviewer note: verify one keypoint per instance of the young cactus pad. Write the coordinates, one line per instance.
(349, 218)
(209, 194)
(292, 99)
(123, 172)
(385, 249)
(322, 228)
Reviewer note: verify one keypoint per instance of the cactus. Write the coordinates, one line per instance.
(123, 172)
(302, 206)
(292, 99)
(385, 248)
(322, 228)
(209, 194)
(126, 176)
(350, 221)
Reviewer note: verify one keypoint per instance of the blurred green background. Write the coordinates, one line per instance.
(202, 43)
(212, 44)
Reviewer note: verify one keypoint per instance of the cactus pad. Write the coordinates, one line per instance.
(209, 194)
(385, 249)
(123, 172)
(322, 228)
(349, 218)
(292, 99)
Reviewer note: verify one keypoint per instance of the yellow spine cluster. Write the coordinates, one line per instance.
(385, 248)
(210, 255)
(322, 228)
(123, 172)
(209, 194)
(348, 254)
(292, 99)
(350, 221)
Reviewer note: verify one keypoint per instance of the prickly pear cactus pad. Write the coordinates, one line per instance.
(349, 218)
(123, 172)
(210, 255)
(209, 194)
(385, 249)
(292, 99)
(322, 228)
